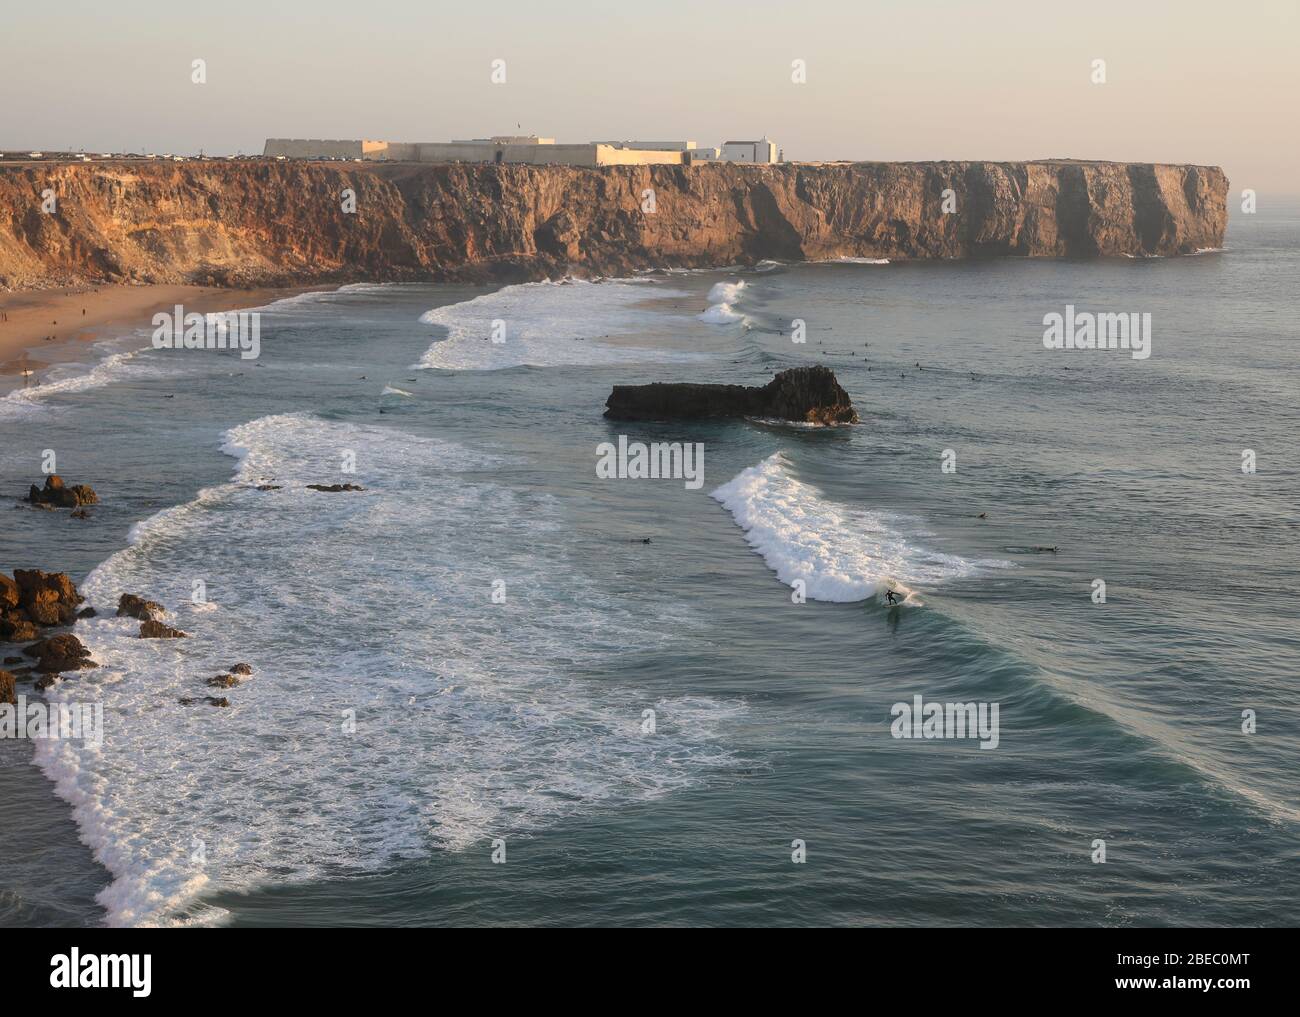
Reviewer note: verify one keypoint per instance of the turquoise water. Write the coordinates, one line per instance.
(522, 721)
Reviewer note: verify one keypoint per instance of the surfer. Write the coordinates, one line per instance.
(890, 597)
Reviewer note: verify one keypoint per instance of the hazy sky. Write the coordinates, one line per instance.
(1187, 81)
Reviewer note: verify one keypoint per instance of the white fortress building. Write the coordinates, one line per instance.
(524, 149)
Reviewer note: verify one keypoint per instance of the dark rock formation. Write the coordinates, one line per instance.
(8, 692)
(64, 652)
(209, 700)
(241, 669)
(333, 488)
(55, 494)
(151, 629)
(808, 394)
(15, 628)
(45, 598)
(224, 681)
(231, 224)
(133, 606)
(9, 593)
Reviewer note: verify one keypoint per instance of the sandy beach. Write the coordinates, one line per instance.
(30, 319)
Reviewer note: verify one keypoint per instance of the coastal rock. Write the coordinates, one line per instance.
(48, 598)
(9, 593)
(241, 669)
(334, 487)
(216, 223)
(132, 606)
(151, 629)
(63, 652)
(223, 681)
(43, 608)
(55, 493)
(806, 394)
(15, 628)
(12, 660)
(209, 700)
(8, 692)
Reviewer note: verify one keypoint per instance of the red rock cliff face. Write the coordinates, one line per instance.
(260, 223)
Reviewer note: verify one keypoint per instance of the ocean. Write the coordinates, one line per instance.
(494, 688)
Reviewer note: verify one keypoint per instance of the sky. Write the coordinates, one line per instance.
(1187, 81)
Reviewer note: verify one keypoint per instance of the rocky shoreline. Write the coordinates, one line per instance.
(34, 603)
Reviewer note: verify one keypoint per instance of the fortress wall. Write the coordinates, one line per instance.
(315, 148)
(607, 155)
(441, 151)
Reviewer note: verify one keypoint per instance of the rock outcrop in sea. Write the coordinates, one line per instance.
(55, 494)
(34, 598)
(152, 629)
(133, 606)
(64, 652)
(259, 223)
(33, 601)
(805, 394)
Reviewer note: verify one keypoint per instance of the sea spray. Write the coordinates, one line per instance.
(722, 296)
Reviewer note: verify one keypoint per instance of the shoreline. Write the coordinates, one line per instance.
(31, 319)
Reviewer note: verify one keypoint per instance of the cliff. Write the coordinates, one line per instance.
(266, 223)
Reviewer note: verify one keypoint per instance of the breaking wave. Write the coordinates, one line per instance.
(721, 299)
(549, 324)
(842, 553)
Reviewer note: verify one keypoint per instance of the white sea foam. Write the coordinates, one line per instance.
(63, 379)
(471, 719)
(721, 299)
(548, 324)
(720, 314)
(726, 292)
(390, 390)
(852, 261)
(842, 553)
(793, 425)
(310, 299)
(116, 363)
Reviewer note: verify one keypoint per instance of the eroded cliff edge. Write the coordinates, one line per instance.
(269, 223)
